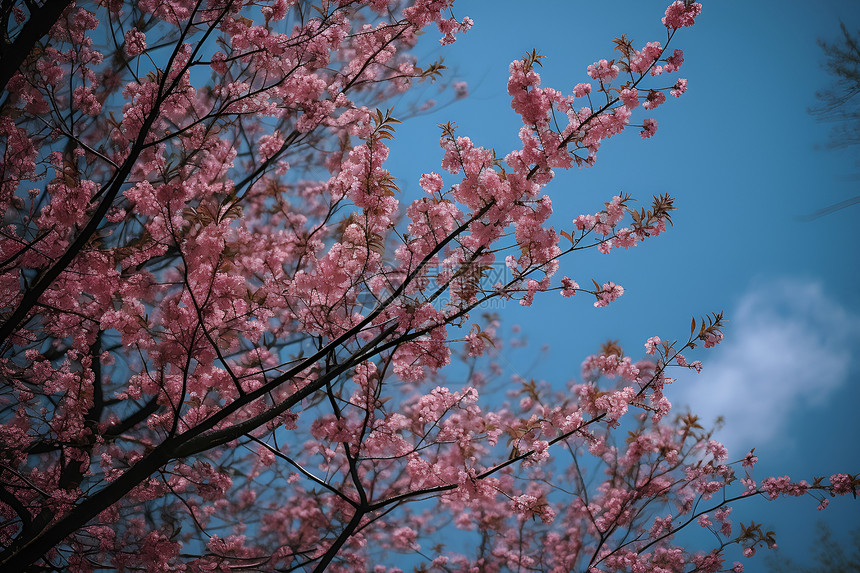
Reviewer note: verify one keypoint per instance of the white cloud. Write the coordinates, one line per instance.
(788, 347)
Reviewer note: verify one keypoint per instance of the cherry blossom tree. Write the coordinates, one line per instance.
(230, 342)
(838, 103)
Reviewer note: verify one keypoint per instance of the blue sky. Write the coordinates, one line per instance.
(745, 160)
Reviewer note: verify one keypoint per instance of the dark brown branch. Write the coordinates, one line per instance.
(9, 499)
(18, 557)
(43, 447)
(338, 543)
(13, 54)
(31, 297)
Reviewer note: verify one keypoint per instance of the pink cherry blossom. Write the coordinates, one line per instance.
(582, 90)
(603, 71)
(679, 88)
(569, 286)
(609, 292)
(649, 127)
(681, 14)
(651, 344)
(135, 42)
